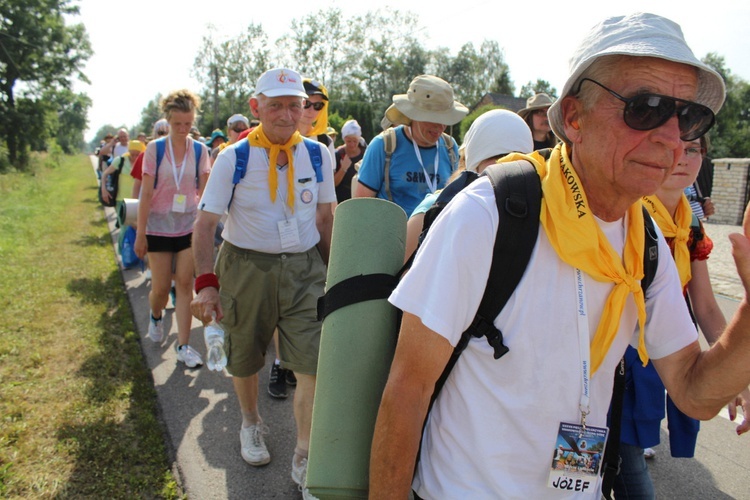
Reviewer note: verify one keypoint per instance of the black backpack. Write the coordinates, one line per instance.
(112, 185)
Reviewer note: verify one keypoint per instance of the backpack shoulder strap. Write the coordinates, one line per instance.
(389, 145)
(450, 142)
(160, 146)
(650, 253)
(198, 148)
(242, 152)
(316, 158)
(122, 163)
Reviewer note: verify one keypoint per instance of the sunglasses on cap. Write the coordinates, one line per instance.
(317, 106)
(649, 111)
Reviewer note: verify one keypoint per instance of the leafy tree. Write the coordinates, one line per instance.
(149, 115)
(730, 137)
(538, 87)
(68, 116)
(100, 134)
(38, 53)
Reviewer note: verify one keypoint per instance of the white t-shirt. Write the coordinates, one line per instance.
(253, 221)
(119, 150)
(493, 429)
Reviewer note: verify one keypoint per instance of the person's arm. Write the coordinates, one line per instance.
(344, 164)
(105, 194)
(421, 355)
(413, 230)
(701, 383)
(206, 302)
(108, 148)
(363, 191)
(708, 207)
(324, 222)
(144, 209)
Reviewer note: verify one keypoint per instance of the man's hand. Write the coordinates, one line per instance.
(708, 207)
(206, 304)
(743, 400)
(741, 251)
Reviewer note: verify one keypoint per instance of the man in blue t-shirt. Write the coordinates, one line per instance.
(421, 162)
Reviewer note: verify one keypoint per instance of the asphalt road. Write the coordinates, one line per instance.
(201, 419)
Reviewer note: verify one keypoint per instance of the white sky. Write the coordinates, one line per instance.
(145, 47)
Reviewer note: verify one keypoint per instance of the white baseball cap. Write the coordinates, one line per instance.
(279, 82)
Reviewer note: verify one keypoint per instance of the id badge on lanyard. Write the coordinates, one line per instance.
(179, 201)
(579, 448)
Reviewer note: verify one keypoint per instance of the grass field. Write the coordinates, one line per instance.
(78, 407)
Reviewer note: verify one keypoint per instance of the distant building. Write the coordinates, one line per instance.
(503, 101)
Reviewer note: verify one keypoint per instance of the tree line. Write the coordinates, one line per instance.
(363, 60)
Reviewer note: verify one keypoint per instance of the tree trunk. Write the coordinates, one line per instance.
(216, 97)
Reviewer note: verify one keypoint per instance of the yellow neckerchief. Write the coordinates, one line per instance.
(258, 139)
(573, 232)
(679, 229)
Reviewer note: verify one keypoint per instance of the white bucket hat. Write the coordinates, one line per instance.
(280, 82)
(351, 127)
(429, 99)
(644, 35)
(496, 132)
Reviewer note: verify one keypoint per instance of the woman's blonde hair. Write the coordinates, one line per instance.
(180, 100)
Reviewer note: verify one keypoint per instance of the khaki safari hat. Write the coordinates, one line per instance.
(429, 99)
(537, 101)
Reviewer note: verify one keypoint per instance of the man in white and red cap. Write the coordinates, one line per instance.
(272, 266)
(634, 93)
(423, 157)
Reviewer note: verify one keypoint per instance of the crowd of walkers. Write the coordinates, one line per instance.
(629, 131)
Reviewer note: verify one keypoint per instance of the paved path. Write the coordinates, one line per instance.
(201, 416)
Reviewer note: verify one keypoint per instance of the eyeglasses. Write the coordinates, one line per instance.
(649, 111)
(692, 152)
(161, 133)
(317, 106)
(239, 129)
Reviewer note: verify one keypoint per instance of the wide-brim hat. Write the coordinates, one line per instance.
(429, 99)
(215, 135)
(638, 35)
(537, 101)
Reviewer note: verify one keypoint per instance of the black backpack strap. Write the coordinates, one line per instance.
(611, 462)
(518, 195)
(355, 290)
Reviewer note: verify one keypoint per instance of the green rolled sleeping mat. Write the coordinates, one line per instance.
(356, 347)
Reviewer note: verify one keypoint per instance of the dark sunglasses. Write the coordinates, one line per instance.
(161, 133)
(649, 111)
(317, 106)
(239, 129)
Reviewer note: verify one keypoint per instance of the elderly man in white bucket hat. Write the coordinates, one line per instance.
(403, 164)
(272, 265)
(634, 93)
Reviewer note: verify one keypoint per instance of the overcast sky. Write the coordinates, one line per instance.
(145, 47)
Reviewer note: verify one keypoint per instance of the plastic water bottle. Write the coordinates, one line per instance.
(213, 335)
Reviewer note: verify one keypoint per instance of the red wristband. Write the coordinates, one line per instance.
(206, 280)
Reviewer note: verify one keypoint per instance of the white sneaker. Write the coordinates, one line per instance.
(253, 447)
(187, 355)
(147, 274)
(649, 453)
(156, 328)
(299, 476)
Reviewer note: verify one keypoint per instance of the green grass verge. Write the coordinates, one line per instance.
(77, 402)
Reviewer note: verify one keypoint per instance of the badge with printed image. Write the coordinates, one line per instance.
(577, 458)
(179, 203)
(306, 196)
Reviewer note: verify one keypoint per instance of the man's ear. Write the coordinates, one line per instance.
(572, 113)
(253, 103)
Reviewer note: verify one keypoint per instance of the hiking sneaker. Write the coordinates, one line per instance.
(277, 383)
(156, 328)
(253, 447)
(291, 380)
(649, 453)
(299, 471)
(187, 355)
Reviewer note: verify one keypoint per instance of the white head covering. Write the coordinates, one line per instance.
(638, 35)
(496, 132)
(351, 127)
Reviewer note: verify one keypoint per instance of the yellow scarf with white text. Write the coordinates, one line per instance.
(579, 241)
(677, 228)
(257, 138)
